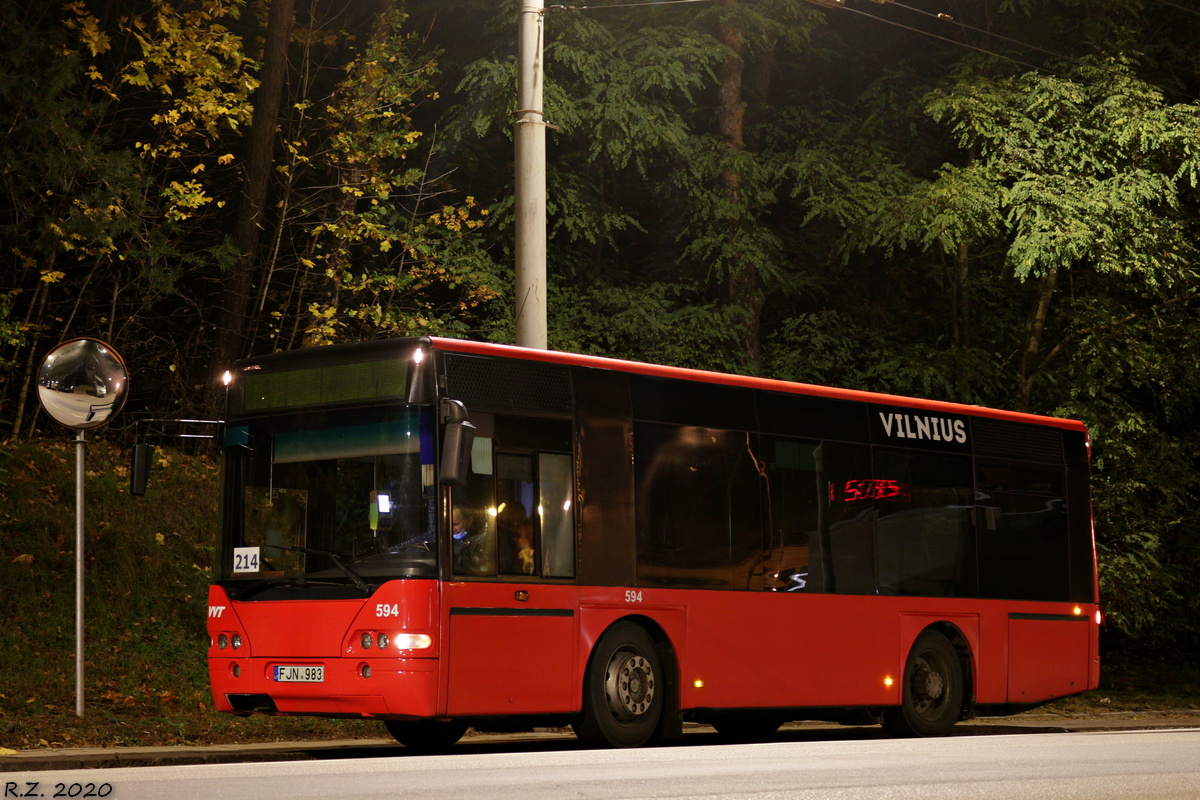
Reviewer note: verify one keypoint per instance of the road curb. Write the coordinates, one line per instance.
(109, 758)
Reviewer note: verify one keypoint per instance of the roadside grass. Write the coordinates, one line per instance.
(1133, 680)
(148, 564)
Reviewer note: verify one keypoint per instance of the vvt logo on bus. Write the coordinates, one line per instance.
(911, 426)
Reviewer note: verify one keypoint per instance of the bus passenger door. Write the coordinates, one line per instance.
(511, 608)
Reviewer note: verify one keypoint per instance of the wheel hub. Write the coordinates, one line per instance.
(934, 685)
(629, 685)
(928, 687)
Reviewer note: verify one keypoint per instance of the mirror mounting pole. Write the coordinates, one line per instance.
(82, 384)
(143, 449)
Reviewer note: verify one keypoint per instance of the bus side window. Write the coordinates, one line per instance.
(534, 508)
(842, 547)
(514, 501)
(556, 511)
(473, 518)
(699, 507)
(535, 514)
(795, 493)
(1024, 553)
(925, 537)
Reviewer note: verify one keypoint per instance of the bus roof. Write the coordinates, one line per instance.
(745, 381)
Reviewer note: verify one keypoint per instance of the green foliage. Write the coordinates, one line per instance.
(621, 90)
(123, 158)
(12, 333)
(960, 206)
(650, 323)
(194, 66)
(1138, 392)
(646, 187)
(387, 255)
(1086, 169)
(182, 103)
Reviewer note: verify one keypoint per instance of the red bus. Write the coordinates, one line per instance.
(442, 534)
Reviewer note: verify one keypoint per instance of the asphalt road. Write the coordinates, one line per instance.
(1146, 765)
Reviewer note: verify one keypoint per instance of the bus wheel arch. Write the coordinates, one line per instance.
(936, 684)
(630, 687)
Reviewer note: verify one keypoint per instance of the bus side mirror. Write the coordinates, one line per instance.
(457, 441)
(139, 469)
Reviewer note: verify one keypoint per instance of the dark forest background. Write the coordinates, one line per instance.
(985, 201)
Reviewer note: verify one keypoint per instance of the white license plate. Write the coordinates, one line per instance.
(299, 674)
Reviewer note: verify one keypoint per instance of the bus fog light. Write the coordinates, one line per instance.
(413, 641)
(365, 670)
(235, 670)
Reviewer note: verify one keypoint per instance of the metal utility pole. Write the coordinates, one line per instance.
(530, 179)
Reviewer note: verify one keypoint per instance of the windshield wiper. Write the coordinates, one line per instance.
(337, 562)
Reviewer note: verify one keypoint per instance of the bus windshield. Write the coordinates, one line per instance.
(328, 499)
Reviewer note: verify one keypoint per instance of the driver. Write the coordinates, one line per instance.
(471, 551)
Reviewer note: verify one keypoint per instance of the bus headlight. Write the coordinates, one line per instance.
(413, 641)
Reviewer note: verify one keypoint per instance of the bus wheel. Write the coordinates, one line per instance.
(623, 690)
(426, 735)
(933, 689)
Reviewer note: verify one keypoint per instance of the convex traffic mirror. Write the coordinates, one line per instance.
(82, 383)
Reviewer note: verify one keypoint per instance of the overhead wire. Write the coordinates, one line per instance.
(943, 18)
(946, 18)
(947, 39)
(834, 4)
(952, 21)
(626, 5)
(1191, 11)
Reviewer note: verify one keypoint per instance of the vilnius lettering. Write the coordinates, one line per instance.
(937, 429)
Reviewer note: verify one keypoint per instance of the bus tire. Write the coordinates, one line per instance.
(623, 689)
(426, 735)
(932, 689)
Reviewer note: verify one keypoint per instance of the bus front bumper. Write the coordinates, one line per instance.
(351, 687)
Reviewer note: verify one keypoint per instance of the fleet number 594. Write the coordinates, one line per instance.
(633, 596)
